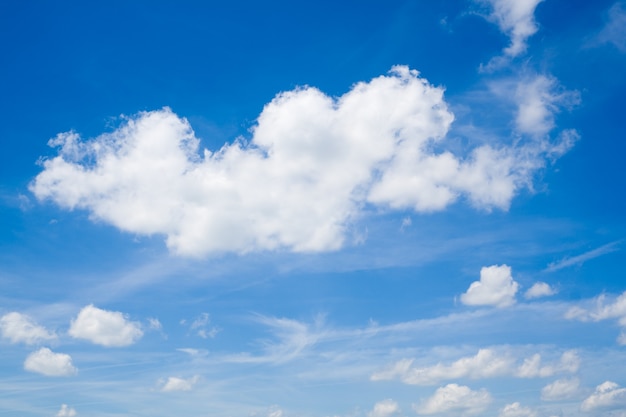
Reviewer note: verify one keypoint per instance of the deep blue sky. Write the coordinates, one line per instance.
(383, 184)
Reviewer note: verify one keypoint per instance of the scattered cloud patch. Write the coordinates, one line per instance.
(496, 287)
(516, 410)
(66, 411)
(174, 383)
(538, 290)
(614, 31)
(580, 259)
(615, 308)
(310, 156)
(561, 389)
(607, 396)
(516, 19)
(487, 363)
(385, 408)
(48, 363)
(19, 328)
(455, 399)
(106, 328)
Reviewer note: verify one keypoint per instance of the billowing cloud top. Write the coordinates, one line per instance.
(312, 165)
(106, 328)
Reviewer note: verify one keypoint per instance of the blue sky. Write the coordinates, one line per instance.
(365, 209)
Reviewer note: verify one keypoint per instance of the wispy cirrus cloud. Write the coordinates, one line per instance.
(584, 257)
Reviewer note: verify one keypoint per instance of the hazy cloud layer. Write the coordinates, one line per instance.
(487, 363)
(106, 328)
(19, 328)
(48, 363)
(310, 157)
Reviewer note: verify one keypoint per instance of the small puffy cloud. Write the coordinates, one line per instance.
(454, 399)
(487, 363)
(106, 328)
(179, 384)
(20, 328)
(607, 396)
(538, 290)
(516, 410)
(560, 389)
(275, 411)
(48, 363)
(310, 156)
(495, 288)
(385, 408)
(66, 411)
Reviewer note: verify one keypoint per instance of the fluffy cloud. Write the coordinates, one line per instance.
(539, 289)
(310, 157)
(607, 395)
(487, 363)
(48, 363)
(516, 410)
(66, 411)
(516, 19)
(455, 399)
(179, 384)
(385, 408)
(560, 389)
(106, 328)
(603, 310)
(20, 328)
(495, 288)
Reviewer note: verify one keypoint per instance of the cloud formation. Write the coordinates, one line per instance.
(385, 408)
(48, 363)
(106, 328)
(614, 31)
(603, 310)
(607, 396)
(516, 410)
(19, 328)
(310, 157)
(174, 383)
(455, 399)
(496, 287)
(560, 389)
(66, 411)
(487, 363)
(516, 19)
(538, 290)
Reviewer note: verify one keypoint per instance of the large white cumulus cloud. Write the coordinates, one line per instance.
(311, 166)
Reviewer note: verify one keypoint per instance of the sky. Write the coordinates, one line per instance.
(313, 209)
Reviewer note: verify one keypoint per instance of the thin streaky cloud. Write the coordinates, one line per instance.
(582, 258)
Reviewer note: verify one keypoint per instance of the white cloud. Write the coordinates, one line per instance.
(385, 408)
(607, 395)
(48, 363)
(516, 410)
(66, 411)
(560, 389)
(179, 384)
(20, 328)
(516, 19)
(310, 157)
(275, 411)
(487, 363)
(532, 368)
(495, 288)
(455, 399)
(614, 31)
(538, 290)
(603, 310)
(106, 328)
